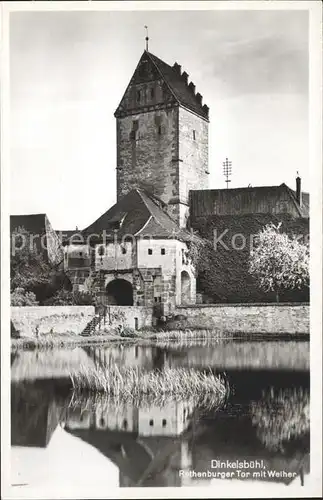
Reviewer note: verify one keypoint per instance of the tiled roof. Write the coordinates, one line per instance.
(305, 206)
(246, 200)
(183, 94)
(33, 223)
(137, 213)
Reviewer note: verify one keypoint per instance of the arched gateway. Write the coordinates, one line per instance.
(119, 293)
(185, 288)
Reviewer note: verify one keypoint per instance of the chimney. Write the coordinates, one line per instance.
(185, 77)
(199, 98)
(298, 191)
(177, 67)
(192, 87)
(206, 110)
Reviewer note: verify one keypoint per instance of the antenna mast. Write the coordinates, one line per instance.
(227, 170)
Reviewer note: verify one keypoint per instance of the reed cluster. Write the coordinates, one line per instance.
(134, 383)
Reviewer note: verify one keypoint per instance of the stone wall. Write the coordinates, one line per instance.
(293, 318)
(134, 317)
(29, 321)
(193, 155)
(146, 145)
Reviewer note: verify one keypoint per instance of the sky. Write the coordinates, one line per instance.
(69, 70)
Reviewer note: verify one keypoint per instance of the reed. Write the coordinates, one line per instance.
(134, 383)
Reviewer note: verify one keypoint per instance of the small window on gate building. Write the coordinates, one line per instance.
(150, 251)
(163, 251)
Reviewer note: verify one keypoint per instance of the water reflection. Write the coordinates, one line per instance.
(266, 418)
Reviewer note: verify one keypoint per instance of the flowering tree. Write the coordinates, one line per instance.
(279, 261)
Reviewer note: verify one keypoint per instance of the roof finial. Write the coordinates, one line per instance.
(147, 38)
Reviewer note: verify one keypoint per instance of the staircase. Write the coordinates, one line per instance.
(91, 326)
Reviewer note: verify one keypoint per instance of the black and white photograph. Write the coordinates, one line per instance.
(161, 249)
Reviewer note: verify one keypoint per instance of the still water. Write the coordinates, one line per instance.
(64, 445)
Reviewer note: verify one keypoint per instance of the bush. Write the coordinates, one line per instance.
(61, 298)
(19, 297)
(126, 331)
(68, 298)
(83, 299)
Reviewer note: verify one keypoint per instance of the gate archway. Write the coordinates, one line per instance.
(119, 292)
(185, 288)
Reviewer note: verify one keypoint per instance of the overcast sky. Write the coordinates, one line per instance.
(69, 71)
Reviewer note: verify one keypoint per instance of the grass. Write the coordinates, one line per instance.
(135, 384)
(51, 340)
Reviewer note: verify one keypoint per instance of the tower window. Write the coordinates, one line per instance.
(164, 422)
(151, 423)
(194, 135)
(150, 251)
(162, 251)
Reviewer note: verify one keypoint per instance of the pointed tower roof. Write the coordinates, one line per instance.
(177, 83)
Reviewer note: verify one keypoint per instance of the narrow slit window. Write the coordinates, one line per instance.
(194, 135)
(159, 130)
(138, 95)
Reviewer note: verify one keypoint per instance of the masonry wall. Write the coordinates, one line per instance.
(193, 153)
(114, 256)
(146, 145)
(248, 318)
(51, 319)
(133, 317)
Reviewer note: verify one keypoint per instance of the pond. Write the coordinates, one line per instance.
(64, 444)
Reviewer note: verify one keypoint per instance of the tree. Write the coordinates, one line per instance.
(279, 261)
(31, 270)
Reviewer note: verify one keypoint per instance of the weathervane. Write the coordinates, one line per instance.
(147, 38)
(227, 170)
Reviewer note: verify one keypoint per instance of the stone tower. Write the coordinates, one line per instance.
(162, 136)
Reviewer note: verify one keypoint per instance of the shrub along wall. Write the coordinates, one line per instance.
(247, 318)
